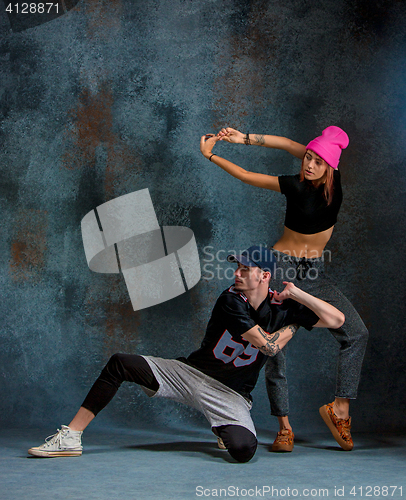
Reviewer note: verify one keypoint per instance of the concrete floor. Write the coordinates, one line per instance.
(130, 464)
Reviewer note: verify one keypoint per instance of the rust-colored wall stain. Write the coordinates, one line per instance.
(93, 128)
(122, 164)
(92, 120)
(122, 324)
(29, 245)
(103, 18)
(108, 304)
(92, 125)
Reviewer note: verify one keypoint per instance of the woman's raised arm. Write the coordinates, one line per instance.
(269, 141)
(208, 141)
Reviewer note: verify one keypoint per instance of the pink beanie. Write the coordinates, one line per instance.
(329, 145)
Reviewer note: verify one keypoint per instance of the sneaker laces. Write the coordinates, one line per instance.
(55, 438)
(283, 436)
(345, 427)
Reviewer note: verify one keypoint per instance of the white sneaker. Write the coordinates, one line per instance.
(65, 443)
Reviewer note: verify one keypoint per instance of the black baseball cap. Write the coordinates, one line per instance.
(256, 256)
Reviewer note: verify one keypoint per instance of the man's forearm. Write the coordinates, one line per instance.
(276, 341)
(330, 316)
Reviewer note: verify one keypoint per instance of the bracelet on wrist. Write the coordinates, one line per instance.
(247, 141)
(214, 154)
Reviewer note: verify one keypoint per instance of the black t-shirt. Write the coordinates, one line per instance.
(225, 355)
(306, 209)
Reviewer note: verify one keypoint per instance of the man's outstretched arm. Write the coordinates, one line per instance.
(330, 316)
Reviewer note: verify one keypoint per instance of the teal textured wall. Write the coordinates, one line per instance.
(112, 97)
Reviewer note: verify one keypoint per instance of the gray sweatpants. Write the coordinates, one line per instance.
(309, 275)
(185, 384)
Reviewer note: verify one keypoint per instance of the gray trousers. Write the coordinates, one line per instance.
(309, 275)
(185, 384)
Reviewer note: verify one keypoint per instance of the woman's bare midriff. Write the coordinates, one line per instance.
(300, 245)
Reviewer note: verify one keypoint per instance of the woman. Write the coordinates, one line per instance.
(313, 201)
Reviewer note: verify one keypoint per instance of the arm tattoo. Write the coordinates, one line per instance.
(259, 138)
(271, 348)
(293, 328)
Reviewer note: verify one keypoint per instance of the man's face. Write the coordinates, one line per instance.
(247, 278)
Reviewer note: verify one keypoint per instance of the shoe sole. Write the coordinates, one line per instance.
(54, 454)
(282, 448)
(327, 420)
(288, 449)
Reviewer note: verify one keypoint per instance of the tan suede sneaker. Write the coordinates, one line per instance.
(220, 444)
(340, 427)
(284, 441)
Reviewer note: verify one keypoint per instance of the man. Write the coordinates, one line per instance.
(248, 323)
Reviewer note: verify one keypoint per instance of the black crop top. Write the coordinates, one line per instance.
(306, 209)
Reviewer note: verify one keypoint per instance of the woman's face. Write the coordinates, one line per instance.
(314, 167)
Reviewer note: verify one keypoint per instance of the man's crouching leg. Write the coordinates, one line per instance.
(240, 442)
(67, 441)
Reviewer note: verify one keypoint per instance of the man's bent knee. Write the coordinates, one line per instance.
(244, 452)
(240, 442)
